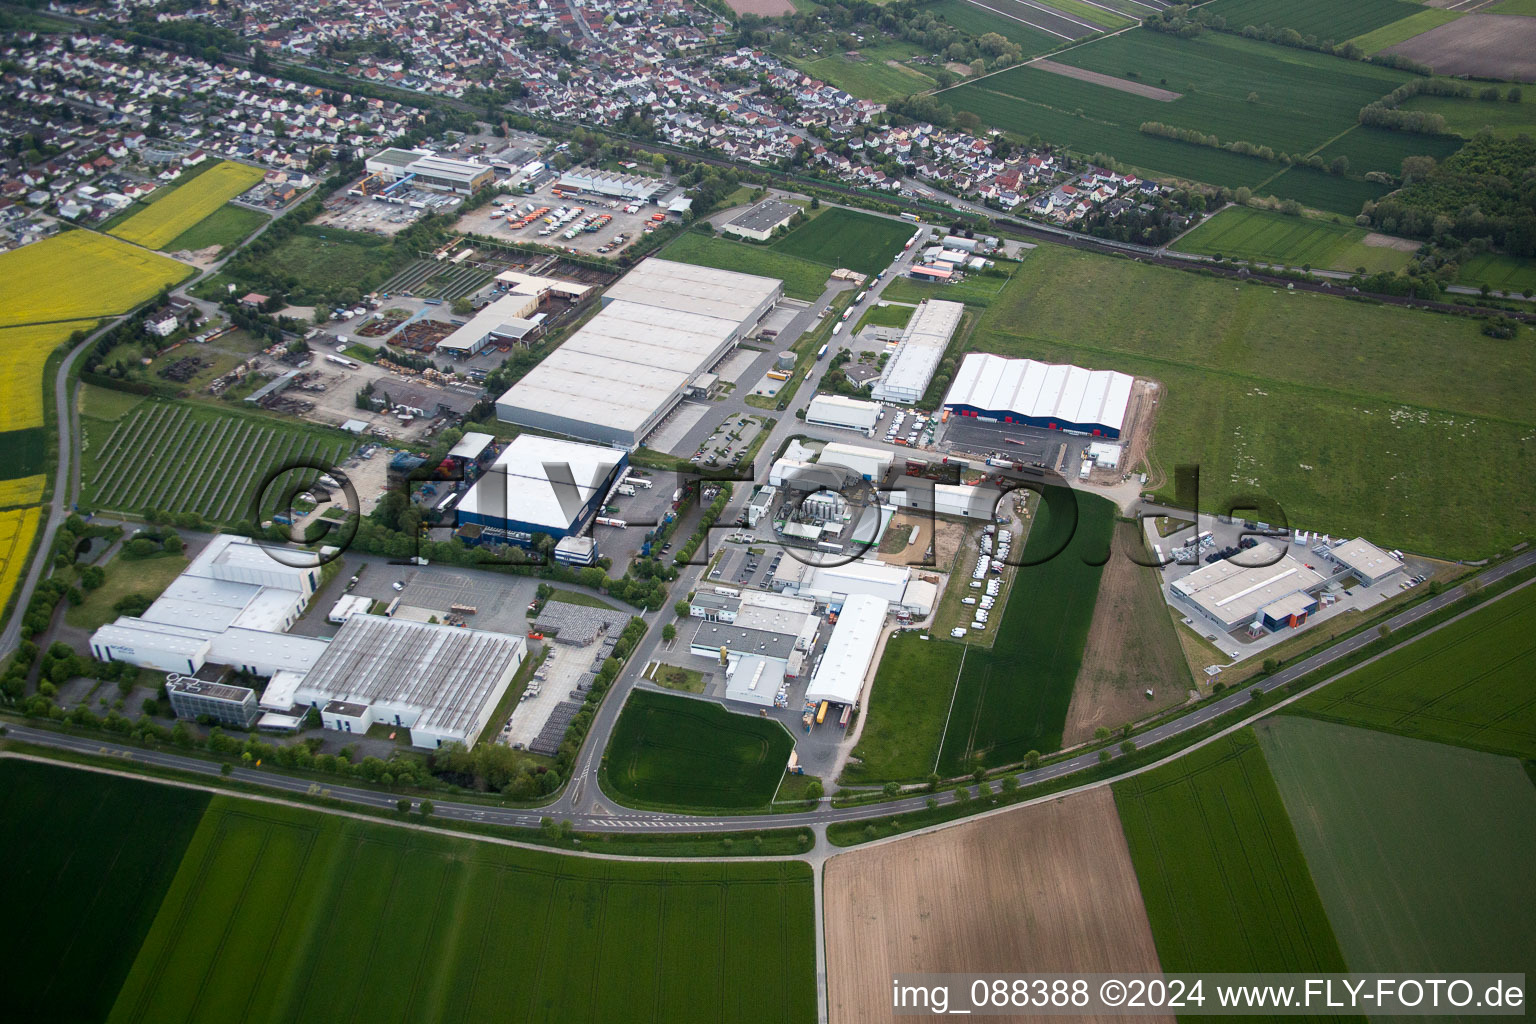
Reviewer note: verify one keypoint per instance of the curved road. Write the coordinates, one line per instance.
(623, 819)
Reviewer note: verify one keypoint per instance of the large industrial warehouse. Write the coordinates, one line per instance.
(1276, 595)
(1051, 395)
(662, 326)
(424, 168)
(918, 353)
(539, 485)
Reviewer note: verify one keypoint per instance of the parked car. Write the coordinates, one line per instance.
(967, 600)
(398, 584)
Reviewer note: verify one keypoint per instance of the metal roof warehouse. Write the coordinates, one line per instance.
(661, 328)
(1056, 396)
(540, 485)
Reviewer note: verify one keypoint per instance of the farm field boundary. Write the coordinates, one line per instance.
(1266, 236)
(845, 238)
(1404, 29)
(80, 275)
(1419, 850)
(167, 217)
(1325, 19)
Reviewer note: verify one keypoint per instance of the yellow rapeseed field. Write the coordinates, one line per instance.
(25, 350)
(163, 220)
(16, 530)
(24, 490)
(79, 275)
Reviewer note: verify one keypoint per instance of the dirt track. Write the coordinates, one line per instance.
(1479, 45)
(1150, 92)
(1044, 888)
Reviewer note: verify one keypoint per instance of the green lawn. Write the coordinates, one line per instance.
(226, 227)
(1326, 19)
(577, 597)
(1404, 29)
(976, 290)
(105, 403)
(125, 576)
(802, 278)
(1420, 851)
(847, 238)
(904, 714)
(1223, 878)
(89, 858)
(1014, 698)
(1263, 235)
(870, 76)
(1514, 7)
(1300, 102)
(685, 680)
(192, 457)
(1499, 272)
(893, 315)
(1466, 116)
(686, 753)
(312, 262)
(1245, 390)
(1467, 684)
(283, 914)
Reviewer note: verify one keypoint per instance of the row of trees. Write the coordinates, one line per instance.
(1339, 165)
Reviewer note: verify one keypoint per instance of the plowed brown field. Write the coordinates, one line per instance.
(1044, 888)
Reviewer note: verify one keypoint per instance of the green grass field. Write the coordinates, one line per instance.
(173, 212)
(1420, 851)
(1014, 698)
(89, 858)
(687, 753)
(1301, 102)
(1467, 684)
(1245, 396)
(870, 76)
(1223, 878)
(979, 21)
(185, 457)
(905, 710)
(1467, 117)
(846, 238)
(1527, 7)
(149, 576)
(1499, 272)
(280, 914)
(802, 278)
(976, 290)
(1404, 29)
(892, 315)
(225, 227)
(1326, 19)
(1245, 233)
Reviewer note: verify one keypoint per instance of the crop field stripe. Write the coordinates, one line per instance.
(111, 449)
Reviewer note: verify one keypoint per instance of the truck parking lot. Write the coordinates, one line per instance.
(602, 226)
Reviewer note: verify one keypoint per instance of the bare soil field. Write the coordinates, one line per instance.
(1044, 888)
(1151, 92)
(762, 8)
(1382, 241)
(1132, 647)
(1479, 45)
(948, 534)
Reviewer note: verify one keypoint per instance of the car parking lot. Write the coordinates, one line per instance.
(728, 445)
(501, 220)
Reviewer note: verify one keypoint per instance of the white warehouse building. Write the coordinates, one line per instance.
(1050, 395)
(869, 463)
(841, 411)
(663, 326)
(918, 353)
(845, 664)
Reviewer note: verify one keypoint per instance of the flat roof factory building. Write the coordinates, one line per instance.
(633, 187)
(1230, 595)
(424, 168)
(1369, 564)
(761, 221)
(840, 411)
(539, 485)
(918, 353)
(1050, 395)
(845, 663)
(440, 682)
(662, 327)
(869, 463)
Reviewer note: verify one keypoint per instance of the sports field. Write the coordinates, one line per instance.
(1244, 399)
(1337, 20)
(846, 238)
(802, 278)
(1294, 101)
(1420, 852)
(78, 275)
(1223, 878)
(1404, 29)
(184, 206)
(905, 711)
(683, 752)
(280, 914)
(1014, 698)
(1468, 683)
(1245, 233)
(89, 858)
(26, 352)
(183, 457)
